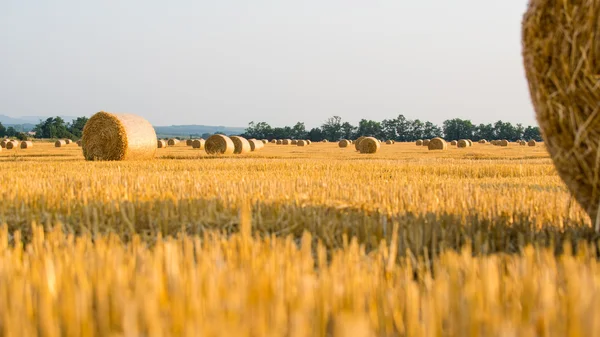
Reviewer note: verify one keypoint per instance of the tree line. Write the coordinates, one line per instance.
(52, 127)
(399, 129)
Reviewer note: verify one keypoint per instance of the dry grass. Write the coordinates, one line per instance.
(305, 241)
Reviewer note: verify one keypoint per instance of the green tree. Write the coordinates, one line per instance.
(532, 132)
(315, 135)
(431, 130)
(417, 130)
(369, 128)
(348, 130)
(299, 131)
(2, 130)
(455, 129)
(76, 127)
(332, 128)
(11, 132)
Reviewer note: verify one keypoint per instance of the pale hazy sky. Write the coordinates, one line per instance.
(228, 62)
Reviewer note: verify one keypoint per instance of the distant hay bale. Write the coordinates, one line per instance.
(483, 141)
(219, 144)
(286, 142)
(13, 144)
(255, 145)
(419, 142)
(470, 142)
(504, 143)
(188, 142)
(59, 143)
(369, 145)
(325, 141)
(453, 143)
(294, 142)
(560, 54)
(463, 143)
(273, 141)
(198, 144)
(173, 142)
(3, 143)
(161, 144)
(26, 145)
(357, 142)
(308, 142)
(530, 142)
(264, 141)
(343, 143)
(241, 145)
(437, 144)
(68, 141)
(279, 142)
(389, 142)
(108, 136)
(301, 143)
(426, 142)
(78, 143)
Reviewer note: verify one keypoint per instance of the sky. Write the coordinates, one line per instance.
(229, 62)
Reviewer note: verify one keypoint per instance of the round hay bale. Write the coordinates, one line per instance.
(530, 142)
(256, 145)
(301, 143)
(59, 143)
(78, 143)
(426, 142)
(437, 144)
(343, 143)
(3, 143)
(161, 144)
(273, 141)
(294, 142)
(11, 145)
(560, 54)
(26, 145)
(483, 141)
(470, 142)
(357, 142)
(264, 141)
(188, 142)
(504, 142)
(108, 136)
(325, 141)
(173, 142)
(241, 145)
(308, 142)
(453, 143)
(198, 144)
(419, 142)
(369, 145)
(219, 144)
(68, 141)
(286, 142)
(279, 142)
(463, 143)
(389, 142)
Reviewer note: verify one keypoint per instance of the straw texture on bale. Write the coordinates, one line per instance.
(219, 144)
(109, 136)
(301, 143)
(437, 144)
(78, 143)
(369, 145)
(504, 142)
(273, 141)
(68, 141)
(173, 142)
(198, 144)
(453, 142)
(188, 142)
(419, 142)
(60, 143)
(561, 55)
(286, 142)
(426, 142)
(343, 143)
(530, 143)
(279, 142)
(389, 142)
(294, 142)
(161, 144)
(463, 143)
(241, 145)
(255, 145)
(3, 143)
(357, 142)
(26, 145)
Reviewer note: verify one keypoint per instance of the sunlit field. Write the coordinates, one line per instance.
(295, 241)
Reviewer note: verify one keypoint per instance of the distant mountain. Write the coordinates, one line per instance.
(7, 120)
(195, 130)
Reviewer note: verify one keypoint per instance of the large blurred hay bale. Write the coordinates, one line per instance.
(60, 143)
(219, 144)
(26, 144)
(108, 136)
(198, 144)
(437, 144)
(241, 145)
(561, 53)
(255, 145)
(343, 143)
(357, 142)
(369, 145)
